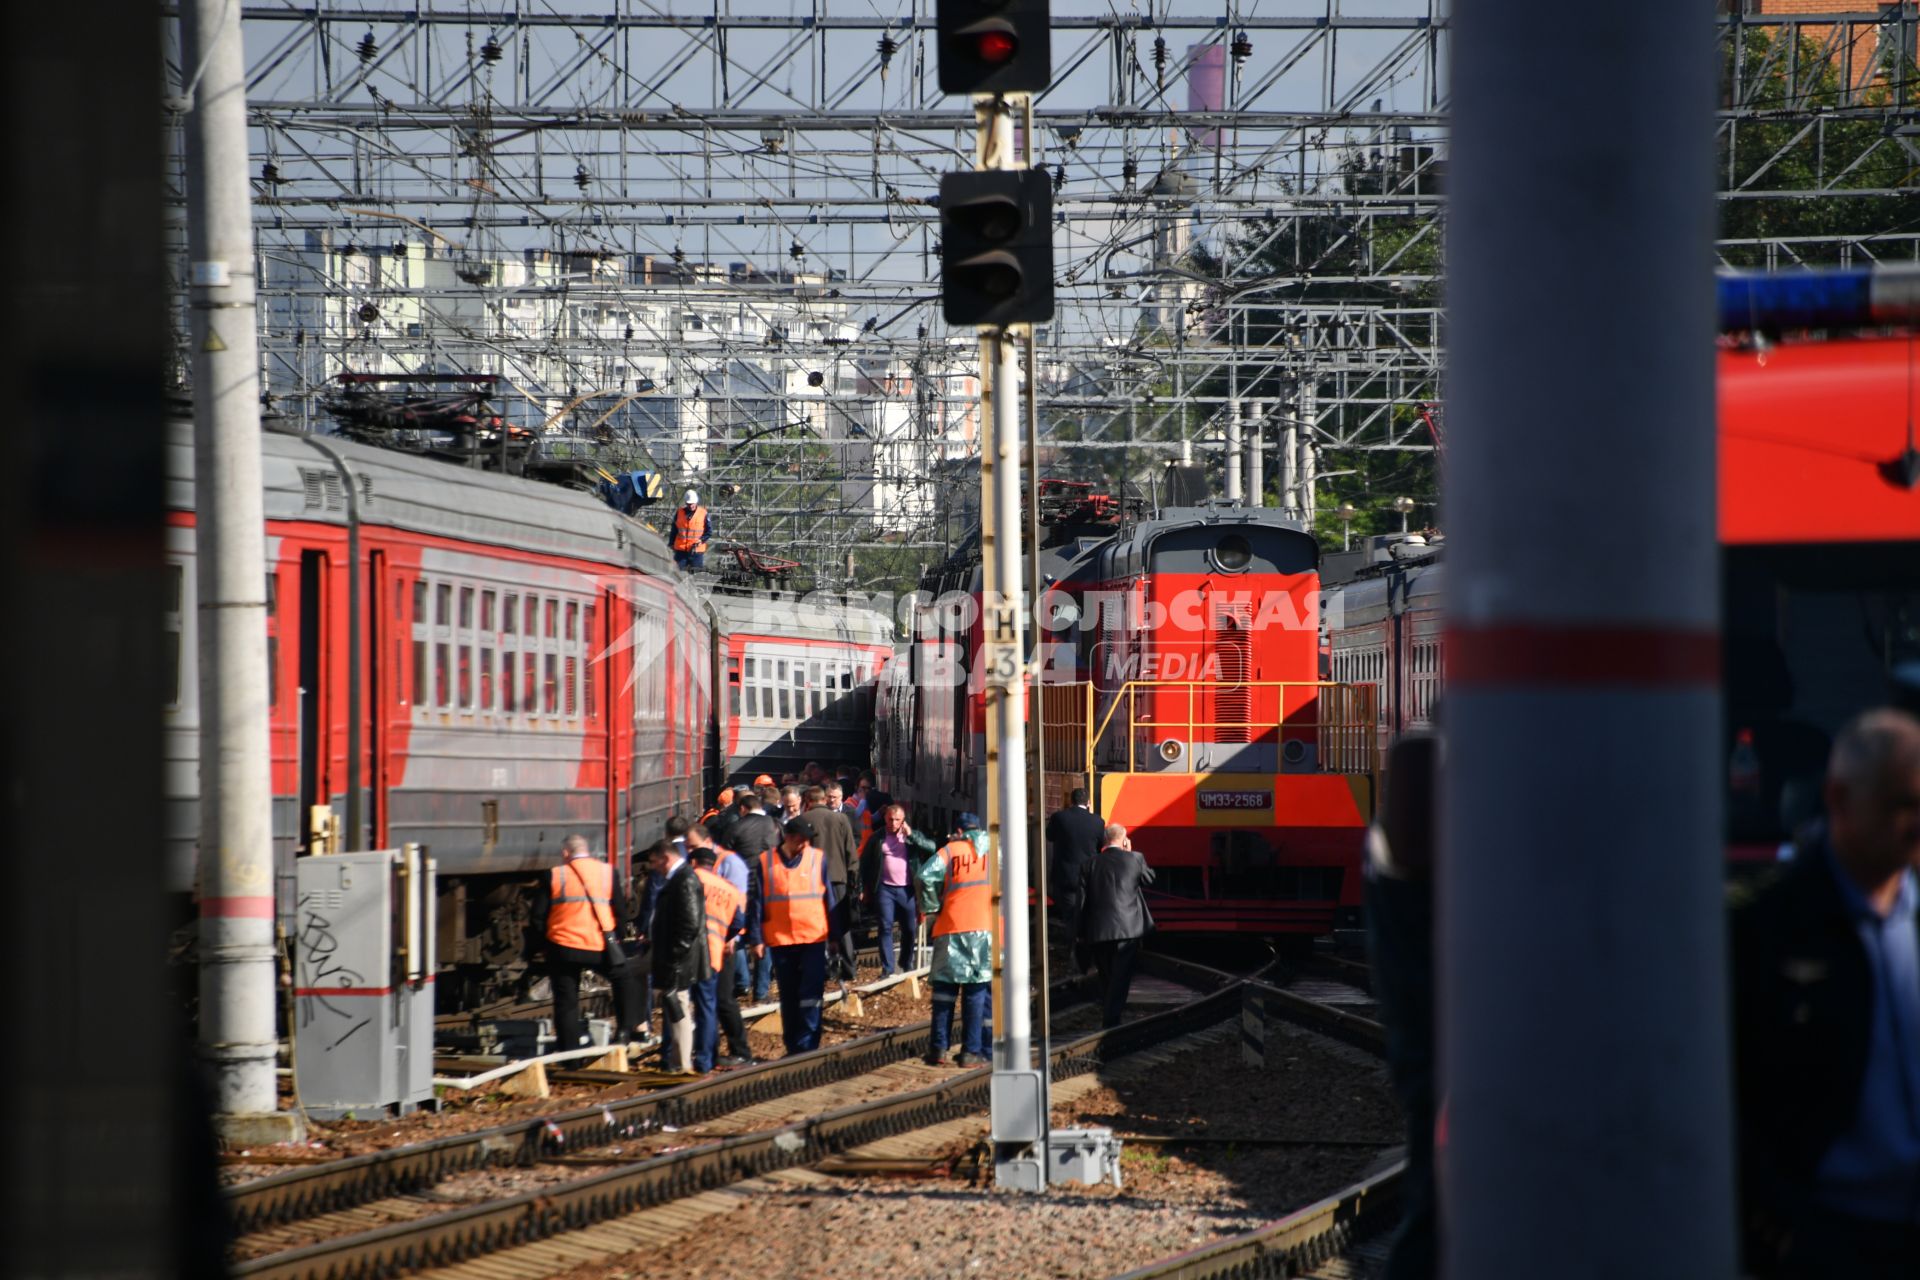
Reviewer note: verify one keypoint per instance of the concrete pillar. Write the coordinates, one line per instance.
(1585, 1060)
(239, 990)
(1290, 471)
(1256, 463)
(1234, 491)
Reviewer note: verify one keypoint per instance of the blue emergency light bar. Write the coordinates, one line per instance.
(1840, 298)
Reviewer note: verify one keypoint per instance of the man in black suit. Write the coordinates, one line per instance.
(1073, 835)
(1826, 1012)
(753, 834)
(1114, 916)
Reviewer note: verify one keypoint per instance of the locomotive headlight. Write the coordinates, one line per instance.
(1233, 553)
(1170, 750)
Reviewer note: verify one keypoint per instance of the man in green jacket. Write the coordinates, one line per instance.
(956, 890)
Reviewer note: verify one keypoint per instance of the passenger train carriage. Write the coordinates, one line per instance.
(1819, 523)
(1178, 681)
(529, 665)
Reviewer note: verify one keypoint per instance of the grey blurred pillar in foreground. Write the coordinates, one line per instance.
(100, 1118)
(1585, 1061)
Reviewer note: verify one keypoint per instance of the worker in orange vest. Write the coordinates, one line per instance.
(956, 891)
(583, 901)
(714, 1006)
(692, 530)
(790, 916)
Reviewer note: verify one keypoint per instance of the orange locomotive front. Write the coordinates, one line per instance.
(1245, 780)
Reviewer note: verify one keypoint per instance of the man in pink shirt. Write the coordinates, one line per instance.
(888, 860)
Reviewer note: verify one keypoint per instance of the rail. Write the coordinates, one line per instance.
(1344, 727)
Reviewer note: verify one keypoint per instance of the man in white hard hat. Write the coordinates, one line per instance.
(692, 530)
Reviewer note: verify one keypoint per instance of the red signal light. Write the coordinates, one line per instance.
(995, 47)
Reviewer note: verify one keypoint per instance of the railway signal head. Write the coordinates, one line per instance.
(996, 247)
(994, 46)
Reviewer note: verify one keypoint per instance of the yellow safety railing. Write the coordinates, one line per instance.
(1344, 727)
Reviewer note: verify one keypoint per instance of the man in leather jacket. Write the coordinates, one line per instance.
(679, 957)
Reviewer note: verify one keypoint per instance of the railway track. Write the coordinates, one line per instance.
(1318, 1240)
(1308, 1243)
(651, 1179)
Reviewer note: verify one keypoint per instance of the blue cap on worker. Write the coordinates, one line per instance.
(967, 822)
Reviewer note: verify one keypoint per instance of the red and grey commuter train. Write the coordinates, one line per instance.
(528, 665)
(1177, 679)
(1819, 520)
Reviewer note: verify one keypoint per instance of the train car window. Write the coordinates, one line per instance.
(586, 627)
(509, 614)
(553, 616)
(573, 686)
(573, 620)
(443, 605)
(508, 702)
(785, 705)
(752, 711)
(486, 680)
(466, 608)
(533, 616)
(551, 698)
(420, 601)
(487, 601)
(421, 684)
(733, 687)
(466, 676)
(442, 677)
(530, 683)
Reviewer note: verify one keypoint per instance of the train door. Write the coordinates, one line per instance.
(386, 629)
(310, 663)
(615, 690)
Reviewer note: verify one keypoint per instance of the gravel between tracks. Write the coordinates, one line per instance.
(1175, 1198)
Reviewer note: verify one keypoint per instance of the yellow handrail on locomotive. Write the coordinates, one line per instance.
(1351, 737)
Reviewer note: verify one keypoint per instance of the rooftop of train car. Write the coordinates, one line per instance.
(426, 495)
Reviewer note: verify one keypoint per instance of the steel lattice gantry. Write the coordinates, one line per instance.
(711, 230)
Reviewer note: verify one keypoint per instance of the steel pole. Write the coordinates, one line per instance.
(1585, 1059)
(238, 987)
(1018, 1091)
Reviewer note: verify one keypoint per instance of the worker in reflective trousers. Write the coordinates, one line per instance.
(692, 529)
(956, 890)
(714, 1006)
(789, 915)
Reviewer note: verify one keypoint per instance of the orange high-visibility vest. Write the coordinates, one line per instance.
(967, 905)
(582, 911)
(690, 531)
(723, 900)
(795, 908)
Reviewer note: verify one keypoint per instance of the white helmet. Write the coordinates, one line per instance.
(693, 498)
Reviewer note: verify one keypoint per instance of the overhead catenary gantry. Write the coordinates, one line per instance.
(1247, 207)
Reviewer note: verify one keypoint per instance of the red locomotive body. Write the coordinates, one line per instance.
(1819, 519)
(1176, 667)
